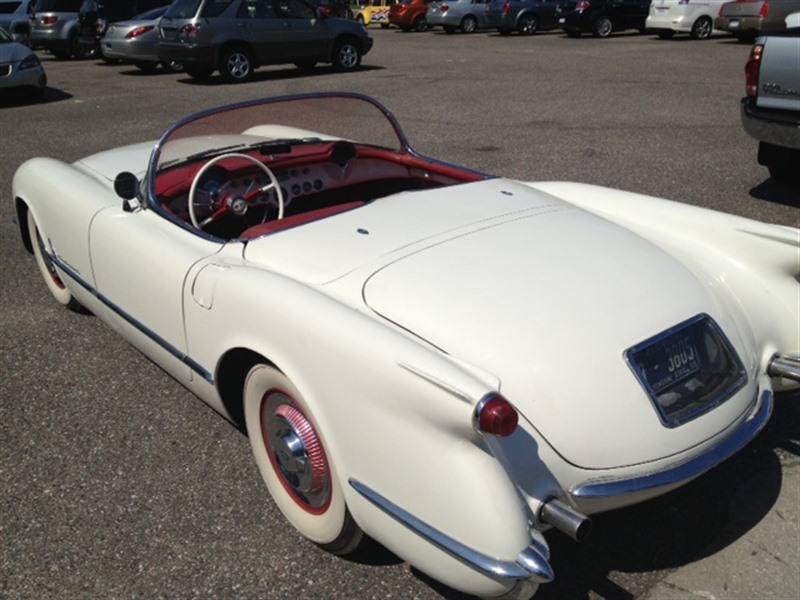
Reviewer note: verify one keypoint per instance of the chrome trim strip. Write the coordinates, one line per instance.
(697, 466)
(185, 359)
(784, 366)
(530, 564)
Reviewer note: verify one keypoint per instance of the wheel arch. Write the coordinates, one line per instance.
(347, 37)
(232, 372)
(22, 218)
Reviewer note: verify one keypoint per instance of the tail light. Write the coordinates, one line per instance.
(445, 8)
(751, 70)
(139, 31)
(764, 10)
(189, 30)
(100, 26)
(582, 5)
(50, 20)
(494, 415)
(506, 8)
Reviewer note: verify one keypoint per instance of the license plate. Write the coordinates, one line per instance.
(733, 23)
(687, 370)
(562, 19)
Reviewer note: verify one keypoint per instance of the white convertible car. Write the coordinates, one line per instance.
(448, 362)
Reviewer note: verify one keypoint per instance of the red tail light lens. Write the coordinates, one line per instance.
(190, 30)
(445, 8)
(583, 5)
(139, 31)
(495, 415)
(49, 20)
(751, 70)
(506, 8)
(764, 10)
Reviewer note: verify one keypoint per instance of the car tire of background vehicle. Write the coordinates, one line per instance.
(199, 72)
(527, 24)
(236, 64)
(701, 29)
(291, 455)
(346, 56)
(79, 50)
(46, 267)
(421, 24)
(360, 20)
(602, 27)
(665, 35)
(469, 24)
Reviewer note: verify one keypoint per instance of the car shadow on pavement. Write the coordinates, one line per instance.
(779, 193)
(275, 74)
(663, 534)
(12, 98)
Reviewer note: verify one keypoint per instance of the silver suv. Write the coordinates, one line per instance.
(235, 37)
(53, 26)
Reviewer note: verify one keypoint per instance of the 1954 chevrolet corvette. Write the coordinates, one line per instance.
(448, 362)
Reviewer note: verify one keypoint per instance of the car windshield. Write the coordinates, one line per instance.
(57, 5)
(7, 8)
(275, 126)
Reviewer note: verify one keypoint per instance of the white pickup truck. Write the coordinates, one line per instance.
(771, 108)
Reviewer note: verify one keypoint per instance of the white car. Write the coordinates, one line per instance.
(695, 17)
(448, 362)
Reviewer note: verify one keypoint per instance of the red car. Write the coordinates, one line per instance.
(409, 14)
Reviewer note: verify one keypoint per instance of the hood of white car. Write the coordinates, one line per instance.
(514, 281)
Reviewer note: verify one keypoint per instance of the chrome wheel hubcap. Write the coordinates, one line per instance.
(296, 451)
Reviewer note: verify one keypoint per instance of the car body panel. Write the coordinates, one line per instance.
(376, 12)
(396, 319)
(680, 16)
(53, 25)
(20, 67)
(748, 18)
(451, 15)
(272, 32)
(626, 14)
(409, 14)
(133, 40)
(505, 15)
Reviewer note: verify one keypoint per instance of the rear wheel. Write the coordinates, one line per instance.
(527, 25)
(421, 24)
(602, 27)
(291, 454)
(346, 56)
(701, 30)
(469, 24)
(236, 65)
(47, 268)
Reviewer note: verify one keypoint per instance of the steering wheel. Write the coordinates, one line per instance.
(235, 203)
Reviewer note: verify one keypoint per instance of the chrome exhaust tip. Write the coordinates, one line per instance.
(565, 518)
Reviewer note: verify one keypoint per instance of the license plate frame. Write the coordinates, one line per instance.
(687, 370)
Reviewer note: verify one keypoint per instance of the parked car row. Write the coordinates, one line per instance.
(745, 19)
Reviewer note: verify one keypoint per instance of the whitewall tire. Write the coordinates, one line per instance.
(291, 455)
(51, 278)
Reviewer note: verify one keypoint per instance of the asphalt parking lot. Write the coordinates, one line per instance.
(117, 483)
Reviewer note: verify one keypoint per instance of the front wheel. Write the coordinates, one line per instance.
(291, 454)
(602, 27)
(47, 268)
(346, 56)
